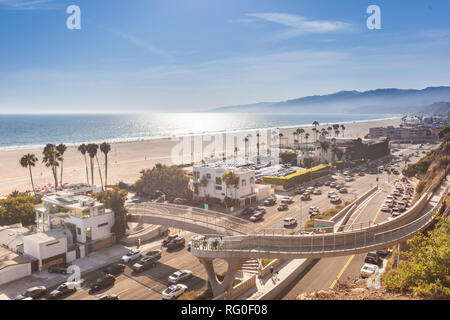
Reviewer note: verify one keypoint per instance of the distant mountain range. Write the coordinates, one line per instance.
(382, 101)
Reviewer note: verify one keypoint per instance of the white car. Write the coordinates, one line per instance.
(334, 199)
(348, 179)
(180, 275)
(317, 191)
(313, 209)
(131, 255)
(287, 200)
(368, 269)
(331, 193)
(289, 221)
(174, 291)
(385, 209)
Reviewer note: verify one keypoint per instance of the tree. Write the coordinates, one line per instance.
(61, 148)
(246, 147)
(230, 179)
(169, 180)
(306, 138)
(257, 147)
(324, 145)
(445, 133)
(83, 149)
(343, 130)
(105, 148)
(18, 209)
(115, 199)
(92, 149)
(288, 157)
(29, 160)
(51, 160)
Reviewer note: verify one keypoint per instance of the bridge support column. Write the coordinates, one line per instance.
(221, 287)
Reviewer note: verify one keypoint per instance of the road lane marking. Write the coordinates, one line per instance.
(342, 271)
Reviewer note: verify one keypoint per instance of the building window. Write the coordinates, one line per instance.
(208, 176)
(102, 225)
(218, 180)
(218, 187)
(244, 182)
(79, 231)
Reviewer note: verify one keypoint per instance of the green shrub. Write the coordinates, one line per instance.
(420, 187)
(265, 262)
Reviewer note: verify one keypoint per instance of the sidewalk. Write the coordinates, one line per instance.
(267, 284)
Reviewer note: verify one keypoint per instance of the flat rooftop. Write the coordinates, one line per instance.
(9, 258)
(48, 236)
(12, 236)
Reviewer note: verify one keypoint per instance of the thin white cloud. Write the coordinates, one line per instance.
(299, 25)
(141, 43)
(29, 4)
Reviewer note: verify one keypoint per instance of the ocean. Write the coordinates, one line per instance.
(29, 131)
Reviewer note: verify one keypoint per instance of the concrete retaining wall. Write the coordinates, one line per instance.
(338, 215)
(151, 233)
(238, 290)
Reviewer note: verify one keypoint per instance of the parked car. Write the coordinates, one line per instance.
(327, 183)
(318, 184)
(373, 258)
(156, 253)
(289, 221)
(312, 209)
(174, 291)
(104, 281)
(314, 213)
(180, 275)
(257, 216)
(383, 252)
(248, 210)
(367, 270)
(331, 193)
(168, 239)
(145, 263)
(343, 190)
(115, 269)
(131, 256)
(348, 179)
(386, 208)
(175, 243)
(361, 174)
(179, 201)
(109, 296)
(299, 190)
(270, 202)
(63, 289)
(395, 213)
(59, 268)
(335, 199)
(333, 185)
(317, 191)
(287, 200)
(33, 293)
(259, 209)
(305, 196)
(283, 207)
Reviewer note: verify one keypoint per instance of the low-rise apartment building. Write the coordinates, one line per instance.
(403, 134)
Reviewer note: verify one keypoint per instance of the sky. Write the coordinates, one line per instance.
(194, 55)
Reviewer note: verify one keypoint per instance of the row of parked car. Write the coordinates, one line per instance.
(399, 200)
(373, 261)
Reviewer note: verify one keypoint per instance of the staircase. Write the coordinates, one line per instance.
(248, 269)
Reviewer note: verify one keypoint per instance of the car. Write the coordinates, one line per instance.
(168, 239)
(318, 184)
(401, 206)
(109, 296)
(145, 263)
(317, 191)
(131, 255)
(373, 258)
(259, 209)
(174, 291)
(289, 221)
(104, 281)
(59, 268)
(343, 190)
(33, 293)
(175, 243)
(310, 189)
(283, 207)
(179, 201)
(305, 196)
(156, 253)
(248, 210)
(312, 209)
(331, 193)
(335, 199)
(270, 202)
(389, 203)
(395, 213)
(287, 200)
(333, 185)
(361, 174)
(383, 252)
(368, 270)
(348, 179)
(299, 190)
(257, 216)
(64, 289)
(327, 183)
(314, 213)
(386, 208)
(180, 275)
(115, 269)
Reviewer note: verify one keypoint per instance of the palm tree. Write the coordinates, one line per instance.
(61, 148)
(29, 160)
(105, 148)
(329, 129)
(301, 131)
(324, 145)
(280, 135)
(343, 130)
(51, 160)
(257, 147)
(315, 124)
(306, 138)
(83, 149)
(246, 147)
(236, 149)
(336, 133)
(92, 149)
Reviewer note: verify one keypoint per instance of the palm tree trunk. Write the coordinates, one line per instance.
(62, 166)
(55, 175)
(106, 171)
(92, 170)
(32, 183)
(87, 171)
(100, 172)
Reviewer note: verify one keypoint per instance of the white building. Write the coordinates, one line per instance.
(84, 221)
(208, 182)
(13, 266)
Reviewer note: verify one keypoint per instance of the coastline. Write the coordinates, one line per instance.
(127, 158)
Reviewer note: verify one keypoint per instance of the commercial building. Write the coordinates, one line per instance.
(404, 134)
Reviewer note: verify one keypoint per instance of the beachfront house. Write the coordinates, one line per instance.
(208, 183)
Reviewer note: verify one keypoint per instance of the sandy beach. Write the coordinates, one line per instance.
(126, 159)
